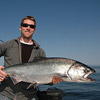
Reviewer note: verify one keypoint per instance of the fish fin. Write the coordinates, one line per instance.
(15, 79)
(35, 85)
(31, 85)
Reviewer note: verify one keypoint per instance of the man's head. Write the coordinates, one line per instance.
(30, 18)
(27, 27)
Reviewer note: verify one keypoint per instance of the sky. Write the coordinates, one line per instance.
(65, 28)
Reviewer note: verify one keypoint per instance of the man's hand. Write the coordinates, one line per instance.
(2, 74)
(56, 80)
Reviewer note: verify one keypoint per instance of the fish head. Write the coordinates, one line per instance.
(79, 72)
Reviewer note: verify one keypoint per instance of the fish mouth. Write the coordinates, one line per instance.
(88, 78)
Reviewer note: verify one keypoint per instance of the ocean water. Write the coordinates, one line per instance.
(79, 91)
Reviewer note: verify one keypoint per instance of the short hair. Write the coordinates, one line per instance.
(30, 18)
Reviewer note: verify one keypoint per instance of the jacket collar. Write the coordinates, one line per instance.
(36, 45)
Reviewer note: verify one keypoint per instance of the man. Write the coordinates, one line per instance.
(19, 51)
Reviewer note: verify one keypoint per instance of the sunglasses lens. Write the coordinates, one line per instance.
(32, 26)
(26, 25)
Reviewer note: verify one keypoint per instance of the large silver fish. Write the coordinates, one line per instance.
(41, 71)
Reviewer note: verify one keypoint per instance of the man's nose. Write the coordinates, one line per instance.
(28, 27)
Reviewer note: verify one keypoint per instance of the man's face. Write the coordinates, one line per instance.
(27, 31)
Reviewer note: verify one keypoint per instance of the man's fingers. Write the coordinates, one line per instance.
(2, 76)
(2, 73)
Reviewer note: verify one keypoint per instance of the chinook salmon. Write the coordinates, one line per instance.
(41, 71)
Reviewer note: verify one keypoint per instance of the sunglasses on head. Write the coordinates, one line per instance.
(26, 25)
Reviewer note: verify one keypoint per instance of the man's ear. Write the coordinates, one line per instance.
(20, 28)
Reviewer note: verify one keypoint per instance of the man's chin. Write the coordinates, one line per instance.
(27, 36)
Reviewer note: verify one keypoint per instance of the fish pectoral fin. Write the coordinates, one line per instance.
(15, 79)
